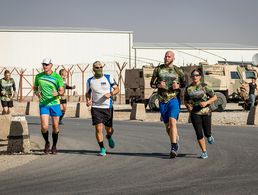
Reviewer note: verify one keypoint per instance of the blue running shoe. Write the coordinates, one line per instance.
(174, 150)
(210, 139)
(111, 143)
(204, 155)
(102, 152)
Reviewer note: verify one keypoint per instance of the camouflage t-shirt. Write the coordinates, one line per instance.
(194, 94)
(7, 87)
(47, 84)
(168, 74)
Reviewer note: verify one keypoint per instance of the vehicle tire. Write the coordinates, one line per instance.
(154, 102)
(220, 104)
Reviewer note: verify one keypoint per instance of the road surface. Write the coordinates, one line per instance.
(139, 164)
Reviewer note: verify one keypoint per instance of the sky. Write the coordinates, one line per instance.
(152, 21)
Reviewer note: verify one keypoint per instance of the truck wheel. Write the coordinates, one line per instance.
(154, 102)
(220, 104)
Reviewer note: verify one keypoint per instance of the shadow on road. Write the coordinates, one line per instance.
(95, 152)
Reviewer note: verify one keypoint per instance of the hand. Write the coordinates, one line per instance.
(55, 93)
(2, 92)
(203, 104)
(107, 95)
(74, 87)
(88, 103)
(38, 94)
(162, 84)
(175, 85)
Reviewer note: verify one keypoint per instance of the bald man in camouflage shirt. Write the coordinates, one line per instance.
(168, 78)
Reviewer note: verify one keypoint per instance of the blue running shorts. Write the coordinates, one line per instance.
(170, 109)
(54, 110)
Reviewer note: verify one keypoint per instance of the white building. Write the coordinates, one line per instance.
(25, 48)
(192, 53)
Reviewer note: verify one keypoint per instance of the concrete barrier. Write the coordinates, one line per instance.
(71, 109)
(5, 121)
(19, 108)
(19, 138)
(252, 118)
(82, 111)
(32, 109)
(138, 112)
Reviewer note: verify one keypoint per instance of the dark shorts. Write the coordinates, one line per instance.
(102, 115)
(8, 104)
(63, 101)
(54, 110)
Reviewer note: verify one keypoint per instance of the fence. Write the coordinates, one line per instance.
(77, 74)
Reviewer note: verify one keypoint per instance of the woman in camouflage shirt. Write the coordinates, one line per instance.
(7, 90)
(198, 98)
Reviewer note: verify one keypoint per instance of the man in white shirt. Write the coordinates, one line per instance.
(100, 89)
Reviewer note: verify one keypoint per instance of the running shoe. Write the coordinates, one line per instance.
(173, 154)
(111, 142)
(102, 152)
(177, 146)
(204, 155)
(53, 150)
(174, 150)
(210, 139)
(47, 148)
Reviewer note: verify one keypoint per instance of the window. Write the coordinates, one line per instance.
(234, 75)
(249, 74)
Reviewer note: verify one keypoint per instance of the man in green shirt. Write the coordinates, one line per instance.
(48, 86)
(7, 90)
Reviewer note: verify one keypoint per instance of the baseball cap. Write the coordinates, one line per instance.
(46, 61)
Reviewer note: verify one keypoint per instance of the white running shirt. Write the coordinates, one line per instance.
(98, 88)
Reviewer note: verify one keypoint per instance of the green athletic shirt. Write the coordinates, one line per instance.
(47, 84)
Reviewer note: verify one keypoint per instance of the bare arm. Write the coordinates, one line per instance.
(112, 93)
(36, 91)
(88, 99)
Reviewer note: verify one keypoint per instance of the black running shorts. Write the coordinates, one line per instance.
(8, 104)
(64, 101)
(102, 115)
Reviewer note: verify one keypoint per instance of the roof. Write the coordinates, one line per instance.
(58, 29)
(205, 46)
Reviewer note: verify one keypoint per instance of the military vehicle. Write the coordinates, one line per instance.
(137, 85)
(226, 80)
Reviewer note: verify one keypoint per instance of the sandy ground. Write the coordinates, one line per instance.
(232, 116)
(8, 161)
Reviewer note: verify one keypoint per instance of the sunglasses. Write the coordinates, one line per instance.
(99, 67)
(45, 64)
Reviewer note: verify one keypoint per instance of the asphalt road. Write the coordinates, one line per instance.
(139, 164)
